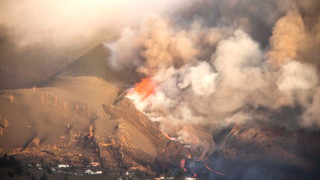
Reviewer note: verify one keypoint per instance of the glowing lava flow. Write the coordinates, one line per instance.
(182, 164)
(166, 134)
(145, 88)
(219, 173)
(189, 155)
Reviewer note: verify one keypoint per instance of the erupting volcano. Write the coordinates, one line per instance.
(185, 89)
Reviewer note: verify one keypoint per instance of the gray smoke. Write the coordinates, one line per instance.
(217, 63)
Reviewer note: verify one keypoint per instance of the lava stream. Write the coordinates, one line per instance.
(182, 164)
(219, 173)
(145, 87)
(166, 134)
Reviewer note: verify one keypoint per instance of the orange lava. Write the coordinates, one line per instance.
(219, 173)
(165, 134)
(182, 164)
(145, 88)
(189, 156)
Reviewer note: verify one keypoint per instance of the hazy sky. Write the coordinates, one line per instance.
(39, 37)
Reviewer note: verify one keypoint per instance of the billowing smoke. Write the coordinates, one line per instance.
(296, 34)
(216, 63)
(208, 64)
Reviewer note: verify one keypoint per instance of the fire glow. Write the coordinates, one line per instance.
(210, 169)
(145, 88)
(182, 164)
(166, 134)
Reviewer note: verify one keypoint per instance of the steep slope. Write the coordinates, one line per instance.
(69, 99)
(78, 119)
(260, 151)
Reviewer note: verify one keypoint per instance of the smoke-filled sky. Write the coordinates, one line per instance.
(214, 62)
(217, 63)
(38, 38)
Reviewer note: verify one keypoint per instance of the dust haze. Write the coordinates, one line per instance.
(38, 38)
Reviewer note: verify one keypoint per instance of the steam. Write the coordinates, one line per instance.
(221, 69)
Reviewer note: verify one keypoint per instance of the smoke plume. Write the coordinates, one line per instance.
(213, 68)
(211, 63)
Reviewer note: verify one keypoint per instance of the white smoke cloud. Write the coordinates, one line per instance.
(200, 78)
(297, 79)
(238, 60)
(130, 57)
(159, 44)
(214, 75)
(212, 87)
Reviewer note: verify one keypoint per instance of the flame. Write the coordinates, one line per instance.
(219, 173)
(145, 88)
(182, 164)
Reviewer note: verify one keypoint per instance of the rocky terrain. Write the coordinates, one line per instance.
(79, 120)
(80, 125)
